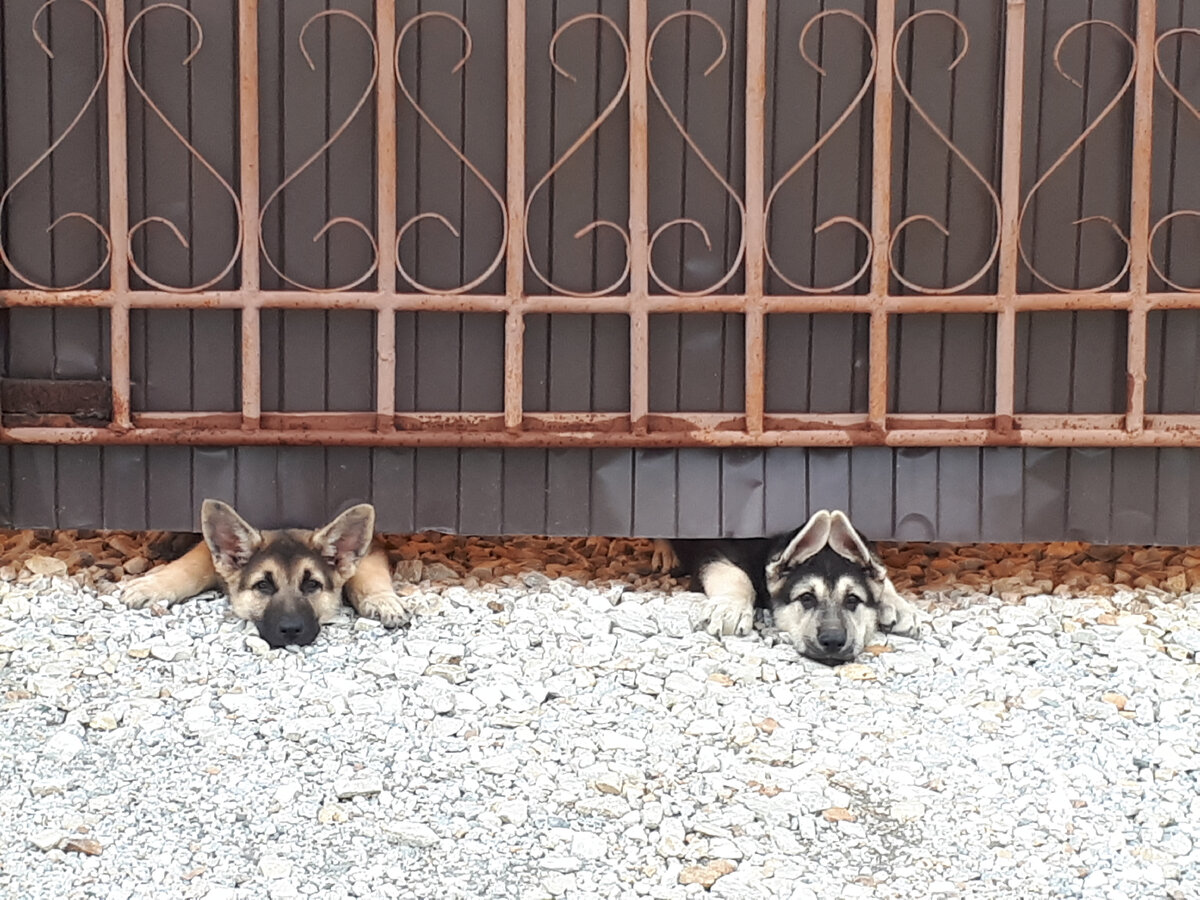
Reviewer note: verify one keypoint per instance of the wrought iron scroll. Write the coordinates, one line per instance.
(337, 220)
(491, 189)
(91, 98)
(1075, 145)
(579, 142)
(825, 137)
(690, 141)
(945, 139)
(237, 205)
(1195, 111)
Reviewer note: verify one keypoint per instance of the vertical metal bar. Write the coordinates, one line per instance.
(1010, 203)
(514, 268)
(385, 135)
(756, 92)
(118, 215)
(1139, 214)
(881, 213)
(639, 207)
(251, 275)
(118, 332)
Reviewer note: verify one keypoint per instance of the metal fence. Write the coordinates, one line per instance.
(652, 223)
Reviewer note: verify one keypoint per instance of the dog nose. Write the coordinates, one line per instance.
(831, 639)
(284, 624)
(291, 627)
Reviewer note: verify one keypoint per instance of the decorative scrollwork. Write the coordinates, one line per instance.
(945, 139)
(237, 205)
(438, 217)
(1075, 144)
(337, 220)
(1191, 108)
(690, 141)
(579, 142)
(854, 104)
(91, 97)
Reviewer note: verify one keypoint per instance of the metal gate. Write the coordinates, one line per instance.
(718, 223)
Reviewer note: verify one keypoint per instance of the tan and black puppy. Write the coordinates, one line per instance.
(826, 588)
(288, 583)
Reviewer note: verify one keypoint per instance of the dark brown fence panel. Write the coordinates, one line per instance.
(1138, 495)
(721, 262)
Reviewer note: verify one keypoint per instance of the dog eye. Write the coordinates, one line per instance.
(808, 600)
(309, 586)
(852, 602)
(264, 586)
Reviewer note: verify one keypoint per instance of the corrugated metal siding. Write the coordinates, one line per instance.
(1123, 495)
(1067, 361)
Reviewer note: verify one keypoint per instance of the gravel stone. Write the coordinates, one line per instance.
(551, 731)
(411, 834)
(362, 785)
(273, 867)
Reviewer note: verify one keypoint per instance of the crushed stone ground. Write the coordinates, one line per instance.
(551, 725)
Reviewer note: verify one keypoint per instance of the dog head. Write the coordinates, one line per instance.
(286, 582)
(825, 587)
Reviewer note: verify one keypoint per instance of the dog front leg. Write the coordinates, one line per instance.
(728, 607)
(370, 591)
(664, 558)
(897, 615)
(191, 574)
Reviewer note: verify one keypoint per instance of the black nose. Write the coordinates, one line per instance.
(288, 624)
(831, 639)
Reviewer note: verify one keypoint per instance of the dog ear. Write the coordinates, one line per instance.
(231, 540)
(345, 541)
(846, 542)
(806, 543)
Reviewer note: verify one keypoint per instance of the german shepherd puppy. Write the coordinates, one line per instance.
(288, 583)
(824, 586)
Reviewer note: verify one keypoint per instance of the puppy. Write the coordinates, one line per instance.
(288, 583)
(825, 587)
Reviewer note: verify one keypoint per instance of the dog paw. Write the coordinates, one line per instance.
(725, 615)
(387, 607)
(141, 592)
(664, 559)
(898, 616)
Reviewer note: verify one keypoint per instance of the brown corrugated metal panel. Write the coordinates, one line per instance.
(697, 363)
(953, 370)
(1067, 361)
(1173, 386)
(1126, 495)
(447, 361)
(576, 362)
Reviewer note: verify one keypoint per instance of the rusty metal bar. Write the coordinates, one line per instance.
(755, 225)
(249, 190)
(676, 422)
(1179, 434)
(639, 210)
(1010, 212)
(612, 303)
(514, 269)
(881, 215)
(1139, 214)
(385, 143)
(248, 140)
(118, 216)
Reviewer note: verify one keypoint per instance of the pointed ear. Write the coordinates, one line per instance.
(231, 540)
(806, 543)
(345, 541)
(845, 540)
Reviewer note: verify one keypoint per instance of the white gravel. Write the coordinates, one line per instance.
(556, 740)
